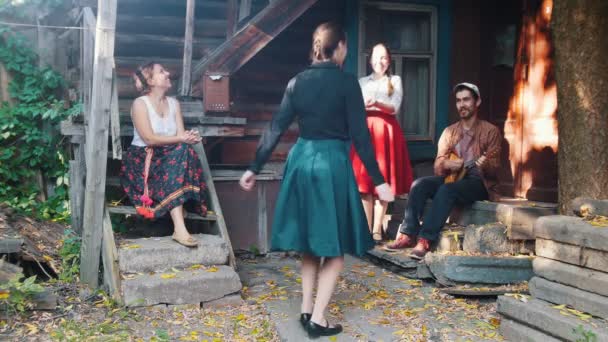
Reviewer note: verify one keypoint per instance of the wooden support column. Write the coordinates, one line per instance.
(187, 65)
(94, 199)
(231, 22)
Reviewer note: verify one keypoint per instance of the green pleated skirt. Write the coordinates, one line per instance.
(319, 210)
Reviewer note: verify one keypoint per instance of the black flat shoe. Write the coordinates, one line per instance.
(315, 330)
(304, 319)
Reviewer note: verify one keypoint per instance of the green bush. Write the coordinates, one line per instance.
(31, 143)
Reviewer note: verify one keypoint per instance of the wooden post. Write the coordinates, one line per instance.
(187, 65)
(115, 119)
(231, 22)
(77, 180)
(89, 24)
(97, 146)
(245, 9)
(109, 256)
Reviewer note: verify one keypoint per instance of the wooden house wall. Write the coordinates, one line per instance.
(257, 88)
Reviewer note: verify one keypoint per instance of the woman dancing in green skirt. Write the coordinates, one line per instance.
(318, 211)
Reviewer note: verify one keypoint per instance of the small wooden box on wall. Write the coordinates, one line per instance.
(216, 92)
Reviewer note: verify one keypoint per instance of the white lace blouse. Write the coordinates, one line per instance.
(165, 126)
(378, 90)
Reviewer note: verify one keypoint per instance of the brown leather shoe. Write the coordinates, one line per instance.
(402, 241)
(422, 247)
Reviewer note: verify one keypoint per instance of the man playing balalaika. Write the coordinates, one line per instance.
(468, 158)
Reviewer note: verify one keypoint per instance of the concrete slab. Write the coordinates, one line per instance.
(400, 258)
(185, 287)
(229, 300)
(579, 277)
(572, 254)
(451, 269)
(162, 253)
(488, 238)
(541, 315)
(562, 294)
(518, 332)
(571, 230)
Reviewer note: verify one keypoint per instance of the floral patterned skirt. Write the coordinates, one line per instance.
(159, 178)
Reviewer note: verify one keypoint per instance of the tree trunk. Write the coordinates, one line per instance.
(580, 28)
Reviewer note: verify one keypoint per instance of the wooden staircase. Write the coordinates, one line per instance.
(153, 270)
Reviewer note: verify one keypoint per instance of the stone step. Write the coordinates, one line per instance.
(517, 215)
(573, 254)
(562, 294)
(571, 230)
(184, 287)
(542, 316)
(517, 332)
(586, 206)
(162, 253)
(579, 277)
(453, 269)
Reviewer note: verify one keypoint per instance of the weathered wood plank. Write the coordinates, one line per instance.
(128, 210)
(162, 46)
(185, 85)
(96, 152)
(10, 245)
(89, 24)
(170, 25)
(8, 271)
(215, 202)
(571, 254)
(75, 129)
(109, 256)
(115, 121)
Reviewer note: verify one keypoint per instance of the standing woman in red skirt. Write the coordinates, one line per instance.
(382, 93)
(161, 171)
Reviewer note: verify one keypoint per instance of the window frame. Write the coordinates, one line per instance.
(432, 55)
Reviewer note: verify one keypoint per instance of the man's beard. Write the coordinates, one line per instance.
(466, 114)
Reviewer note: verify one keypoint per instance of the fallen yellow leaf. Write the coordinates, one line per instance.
(4, 294)
(167, 275)
(212, 269)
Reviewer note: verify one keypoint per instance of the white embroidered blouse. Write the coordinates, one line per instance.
(378, 90)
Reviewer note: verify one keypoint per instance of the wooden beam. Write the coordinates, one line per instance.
(247, 42)
(215, 202)
(89, 24)
(187, 64)
(226, 130)
(97, 143)
(128, 210)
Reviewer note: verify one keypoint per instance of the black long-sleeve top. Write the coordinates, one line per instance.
(329, 105)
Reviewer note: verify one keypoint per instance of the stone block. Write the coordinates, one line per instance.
(541, 315)
(563, 294)
(572, 254)
(229, 300)
(186, 287)
(449, 269)
(450, 240)
(423, 271)
(488, 238)
(184, 307)
(519, 217)
(575, 276)
(571, 230)
(587, 206)
(515, 331)
(158, 254)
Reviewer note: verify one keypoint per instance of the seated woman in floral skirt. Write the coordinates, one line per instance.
(161, 171)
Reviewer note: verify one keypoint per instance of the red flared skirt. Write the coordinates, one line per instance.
(391, 153)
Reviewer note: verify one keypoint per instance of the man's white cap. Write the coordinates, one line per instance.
(469, 86)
